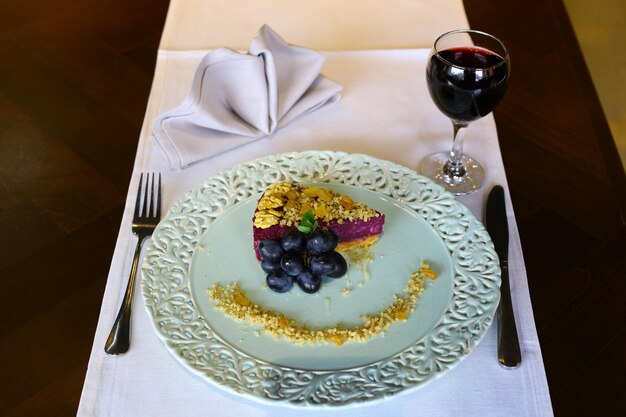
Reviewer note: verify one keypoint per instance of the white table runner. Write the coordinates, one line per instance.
(327, 25)
(385, 112)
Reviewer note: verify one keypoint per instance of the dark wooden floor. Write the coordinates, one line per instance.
(74, 83)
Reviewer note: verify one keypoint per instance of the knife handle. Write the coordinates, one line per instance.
(509, 354)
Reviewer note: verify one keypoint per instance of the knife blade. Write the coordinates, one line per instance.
(509, 354)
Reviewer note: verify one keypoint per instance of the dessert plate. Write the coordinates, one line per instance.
(206, 239)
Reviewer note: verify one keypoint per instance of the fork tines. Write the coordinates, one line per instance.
(151, 207)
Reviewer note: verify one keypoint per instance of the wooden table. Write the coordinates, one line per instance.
(569, 193)
(74, 83)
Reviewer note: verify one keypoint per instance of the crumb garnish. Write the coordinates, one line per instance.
(232, 300)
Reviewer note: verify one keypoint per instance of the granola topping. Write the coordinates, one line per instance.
(284, 203)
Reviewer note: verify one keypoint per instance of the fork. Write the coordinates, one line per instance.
(144, 223)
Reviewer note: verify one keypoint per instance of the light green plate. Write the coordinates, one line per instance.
(206, 238)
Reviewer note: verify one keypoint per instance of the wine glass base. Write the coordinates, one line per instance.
(433, 167)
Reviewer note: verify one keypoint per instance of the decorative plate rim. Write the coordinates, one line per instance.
(187, 335)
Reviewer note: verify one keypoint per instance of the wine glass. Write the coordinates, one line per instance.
(467, 74)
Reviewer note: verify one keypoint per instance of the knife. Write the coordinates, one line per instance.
(509, 354)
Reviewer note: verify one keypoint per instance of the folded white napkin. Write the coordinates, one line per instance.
(238, 98)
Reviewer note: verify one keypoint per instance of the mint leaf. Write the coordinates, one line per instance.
(304, 229)
(308, 223)
(308, 217)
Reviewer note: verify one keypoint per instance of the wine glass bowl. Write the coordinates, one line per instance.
(467, 74)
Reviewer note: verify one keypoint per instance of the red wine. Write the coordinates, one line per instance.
(466, 83)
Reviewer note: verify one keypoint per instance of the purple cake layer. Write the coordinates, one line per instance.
(346, 231)
(357, 229)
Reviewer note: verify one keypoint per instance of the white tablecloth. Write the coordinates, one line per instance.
(385, 112)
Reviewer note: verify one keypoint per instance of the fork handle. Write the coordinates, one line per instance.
(118, 341)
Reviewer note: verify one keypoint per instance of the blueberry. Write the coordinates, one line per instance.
(321, 241)
(295, 240)
(340, 265)
(270, 267)
(292, 263)
(322, 264)
(271, 250)
(279, 281)
(334, 241)
(308, 281)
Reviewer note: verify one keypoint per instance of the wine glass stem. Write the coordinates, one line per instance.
(454, 167)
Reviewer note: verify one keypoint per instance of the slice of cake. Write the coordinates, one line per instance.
(282, 206)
